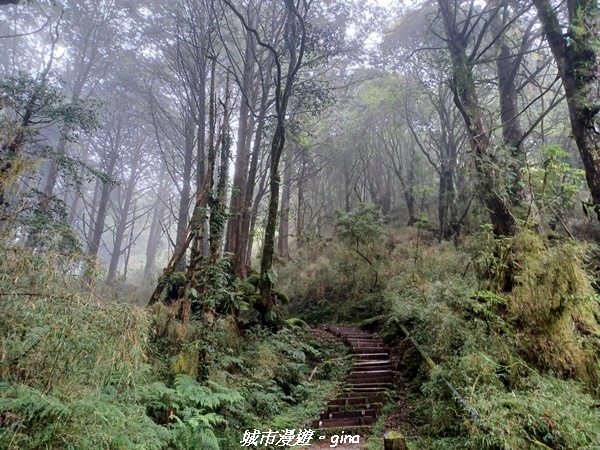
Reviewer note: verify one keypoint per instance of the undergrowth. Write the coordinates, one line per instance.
(526, 361)
(79, 370)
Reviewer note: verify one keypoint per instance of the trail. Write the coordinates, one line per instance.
(358, 407)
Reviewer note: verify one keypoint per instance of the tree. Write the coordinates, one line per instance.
(31, 107)
(577, 57)
(288, 61)
(459, 34)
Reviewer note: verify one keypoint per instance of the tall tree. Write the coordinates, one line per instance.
(288, 59)
(577, 56)
(460, 34)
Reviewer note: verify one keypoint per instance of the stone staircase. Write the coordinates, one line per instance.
(371, 377)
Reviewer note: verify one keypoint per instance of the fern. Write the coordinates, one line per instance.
(190, 410)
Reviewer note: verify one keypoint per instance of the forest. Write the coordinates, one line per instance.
(195, 194)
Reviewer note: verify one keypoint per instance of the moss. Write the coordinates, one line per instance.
(553, 309)
(187, 361)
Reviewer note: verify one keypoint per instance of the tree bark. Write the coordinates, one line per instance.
(283, 247)
(490, 188)
(300, 213)
(153, 238)
(122, 225)
(242, 159)
(577, 57)
(98, 223)
(507, 66)
(186, 188)
(243, 256)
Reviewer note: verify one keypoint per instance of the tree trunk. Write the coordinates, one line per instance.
(446, 203)
(242, 159)
(301, 210)
(253, 217)
(507, 67)
(153, 238)
(186, 187)
(217, 204)
(77, 195)
(129, 245)
(98, 223)
(266, 261)
(577, 57)
(490, 188)
(283, 247)
(122, 225)
(243, 256)
(195, 229)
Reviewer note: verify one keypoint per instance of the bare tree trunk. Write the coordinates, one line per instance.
(242, 159)
(244, 253)
(301, 211)
(129, 246)
(153, 238)
(97, 228)
(185, 194)
(155, 231)
(507, 67)
(449, 225)
(123, 223)
(283, 247)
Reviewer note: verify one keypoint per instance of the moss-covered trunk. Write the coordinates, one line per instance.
(577, 56)
(489, 178)
(266, 262)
